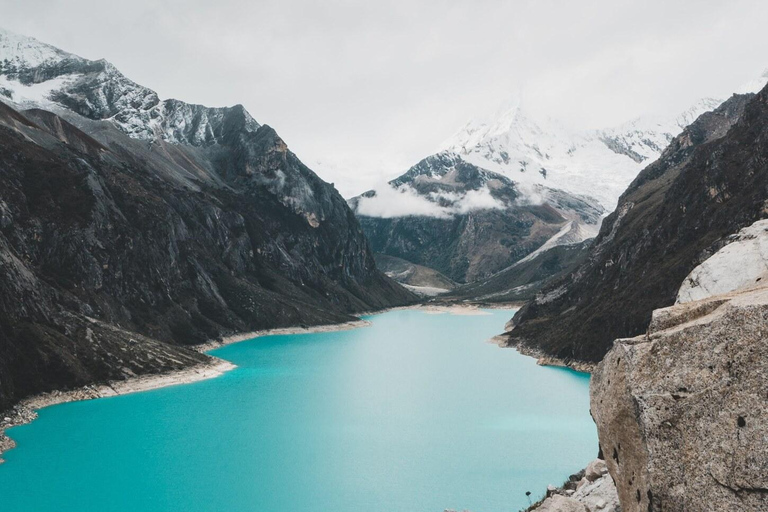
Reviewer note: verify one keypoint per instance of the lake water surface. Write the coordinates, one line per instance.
(416, 413)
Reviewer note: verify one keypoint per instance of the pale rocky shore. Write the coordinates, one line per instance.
(543, 359)
(26, 411)
(236, 338)
(590, 490)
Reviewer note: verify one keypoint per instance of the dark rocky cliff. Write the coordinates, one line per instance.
(710, 182)
(118, 252)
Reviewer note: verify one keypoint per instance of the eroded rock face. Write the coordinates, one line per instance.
(682, 412)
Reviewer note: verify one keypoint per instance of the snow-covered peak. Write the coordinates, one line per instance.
(510, 127)
(533, 151)
(644, 138)
(27, 52)
(35, 74)
(685, 118)
(755, 85)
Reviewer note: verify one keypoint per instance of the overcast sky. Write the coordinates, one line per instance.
(378, 85)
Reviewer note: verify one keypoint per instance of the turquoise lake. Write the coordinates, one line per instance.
(416, 413)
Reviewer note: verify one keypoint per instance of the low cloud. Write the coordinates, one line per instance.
(390, 202)
(478, 200)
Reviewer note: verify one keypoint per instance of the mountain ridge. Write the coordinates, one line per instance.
(706, 186)
(125, 239)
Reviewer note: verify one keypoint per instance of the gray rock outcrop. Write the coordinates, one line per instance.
(682, 411)
(591, 490)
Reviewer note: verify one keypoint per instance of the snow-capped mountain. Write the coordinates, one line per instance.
(599, 163)
(468, 222)
(33, 73)
(131, 225)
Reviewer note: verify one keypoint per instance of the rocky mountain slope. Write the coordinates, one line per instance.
(681, 410)
(522, 280)
(710, 182)
(417, 278)
(131, 227)
(467, 222)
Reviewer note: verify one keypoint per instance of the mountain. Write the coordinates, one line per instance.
(522, 280)
(419, 279)
(421, 216)
(533, 151)
(467, 222)
(707, 185)
(133, 227)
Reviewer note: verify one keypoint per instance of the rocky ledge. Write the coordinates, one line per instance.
(682, 411)
(590, 490)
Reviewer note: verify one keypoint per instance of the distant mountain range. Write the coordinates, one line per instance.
(598, 164)
(434, 215)
(131, 227)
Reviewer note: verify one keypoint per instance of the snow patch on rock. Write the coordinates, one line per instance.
(741, 263)
(34, 94)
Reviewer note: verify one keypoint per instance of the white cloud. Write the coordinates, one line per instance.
(478, 200)
(392, 202)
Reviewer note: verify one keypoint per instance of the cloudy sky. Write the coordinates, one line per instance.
(369, 88)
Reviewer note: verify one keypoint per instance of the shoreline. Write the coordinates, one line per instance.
(25, 411)
(204, 348)
(543, 359)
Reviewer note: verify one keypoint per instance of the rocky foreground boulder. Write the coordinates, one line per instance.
(682, 411)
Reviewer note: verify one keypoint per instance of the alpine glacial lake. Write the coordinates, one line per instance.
(416, 413)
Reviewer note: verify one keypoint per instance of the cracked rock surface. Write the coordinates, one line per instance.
(682, 411)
